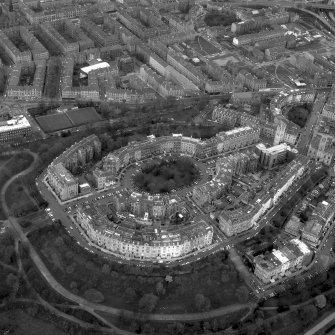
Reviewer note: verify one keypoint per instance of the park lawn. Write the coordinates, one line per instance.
(13, 166)
(299, 114)
(4, 176)
(162, 328)
(26, 325)
(3, 19)
(82, 272)
(184, 114)
(4, 160)
(286, 324)
(18, 200)
(34, 221)
(75, 271)
(208, 282)
(219, 19)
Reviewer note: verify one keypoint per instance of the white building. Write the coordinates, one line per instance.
(290, 257)
(62, 182)
(14, 129)
(150, 243)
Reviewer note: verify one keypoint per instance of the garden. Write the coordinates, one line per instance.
(166, 175)
(12, 166)
(299, 114)
(208, 284)
(219, 19)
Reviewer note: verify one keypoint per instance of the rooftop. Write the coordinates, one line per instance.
(93, 67)
(16, 123)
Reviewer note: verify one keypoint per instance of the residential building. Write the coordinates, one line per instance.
(12, 51)
(294, 226)
(321, 148)
(97, 34)
(15, 130)
(56, 11)
(257, 37)
(318, 224)
(147, 243)
(80, 153)
(37, 49)
(292, 256)
(51, 33)
(241, 219)
(62, 182)
(69, 91)
(18, 89)
(272, 156)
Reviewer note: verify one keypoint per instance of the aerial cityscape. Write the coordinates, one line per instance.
(167, 167)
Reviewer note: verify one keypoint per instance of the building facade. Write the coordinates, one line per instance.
(149, 243)
(15, 130)
(288, 258)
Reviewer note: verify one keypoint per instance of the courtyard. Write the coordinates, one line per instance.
(166, 175)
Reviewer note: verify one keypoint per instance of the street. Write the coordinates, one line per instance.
(221, 242)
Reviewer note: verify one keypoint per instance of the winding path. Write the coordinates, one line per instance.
(93, 307)
(90, 306)
(20, 174)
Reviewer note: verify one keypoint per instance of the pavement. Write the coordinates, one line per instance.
(317, 329)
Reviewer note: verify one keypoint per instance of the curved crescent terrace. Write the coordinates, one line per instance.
(162, 226)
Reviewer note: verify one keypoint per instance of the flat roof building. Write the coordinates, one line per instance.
(289, 257)
(62, 181)
(14, 130)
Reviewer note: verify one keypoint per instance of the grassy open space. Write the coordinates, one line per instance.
(3, 20)
(18, 199)
(13, 166)
(2, 81)
(175, 328)
(299, 114)
(20, 323)
(166, 175)
(124, 286)
(219, 19)
(4, 160)
(68, 119)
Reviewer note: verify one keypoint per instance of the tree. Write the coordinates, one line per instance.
(148, 302)
(176, 328)
(202, 303)
(11, 280)
(59, 241)
(70, 269)
(8, 254)
(130, 293)
(320, 301)
(134, 326)
(25, 224)
(242, 294)
(214, 325)
(148, 329)
(308, 314)
(32, 310)
(224, 277)
(160, 289)
(331, 298)
(73, 285)
(106, 268)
